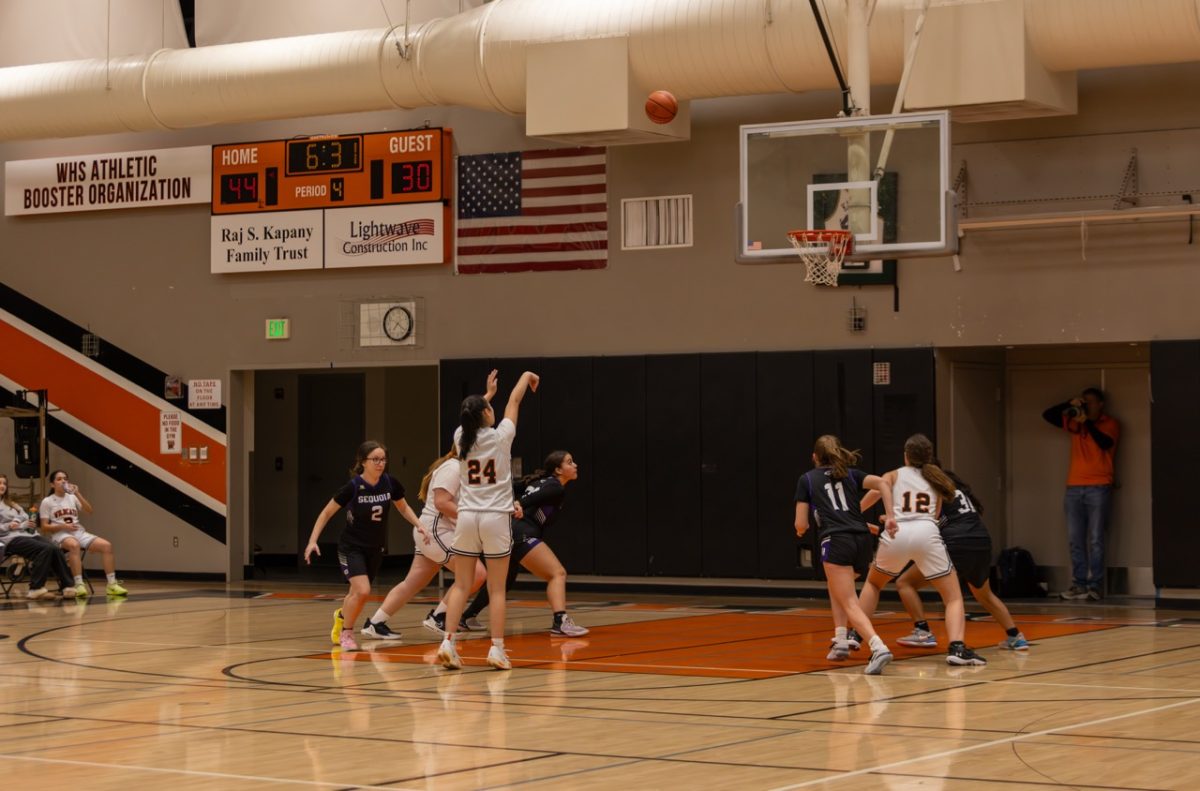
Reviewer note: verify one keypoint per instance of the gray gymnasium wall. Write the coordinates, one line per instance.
(140, 278)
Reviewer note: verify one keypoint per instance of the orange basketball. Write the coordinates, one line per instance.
(661, 107)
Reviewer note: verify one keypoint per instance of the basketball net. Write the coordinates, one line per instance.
(822, 253)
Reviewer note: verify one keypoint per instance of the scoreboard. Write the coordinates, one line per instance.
(332, 172)
(398, 185)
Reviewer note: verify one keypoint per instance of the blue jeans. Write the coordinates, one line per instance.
(1087, 510)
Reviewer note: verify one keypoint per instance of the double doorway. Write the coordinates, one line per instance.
(307, 426)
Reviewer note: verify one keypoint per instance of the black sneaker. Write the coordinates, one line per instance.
(959, 654)
(435, 623)
(379, 631)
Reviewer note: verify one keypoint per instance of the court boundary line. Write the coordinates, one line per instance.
(196, 773)
(994, 743)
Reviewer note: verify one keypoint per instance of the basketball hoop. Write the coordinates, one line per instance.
(822, 253)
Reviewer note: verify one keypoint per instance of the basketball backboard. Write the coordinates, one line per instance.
(826, 174)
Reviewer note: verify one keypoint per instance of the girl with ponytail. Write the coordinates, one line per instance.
(831, 493)
(918, 490)
(485, 509)
(970, 547)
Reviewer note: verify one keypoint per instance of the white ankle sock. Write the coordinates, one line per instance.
(840, 633)
(78, 580)
(380, 616)
(877, 644)
(498, 642)
(440, 609)
(112, 578)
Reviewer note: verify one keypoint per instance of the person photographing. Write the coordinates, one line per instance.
(1088, 500)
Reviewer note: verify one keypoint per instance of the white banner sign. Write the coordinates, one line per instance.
(204, 394)
(268, 242)
(122, 180)
(168, 432)
(396, 235)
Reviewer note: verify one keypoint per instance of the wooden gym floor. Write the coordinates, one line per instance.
(188, 686)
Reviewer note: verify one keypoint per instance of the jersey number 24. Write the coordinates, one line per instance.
(477, 471)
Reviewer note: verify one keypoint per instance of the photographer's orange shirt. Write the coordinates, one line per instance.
(1090, 464)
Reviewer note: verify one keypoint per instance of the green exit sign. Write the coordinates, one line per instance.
(279, 329)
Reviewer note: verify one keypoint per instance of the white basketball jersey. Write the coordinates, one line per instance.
(444, 477)
(485, 475)
(913, 498)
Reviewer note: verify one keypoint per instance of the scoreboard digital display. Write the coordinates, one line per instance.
(332, 171)
(325, 155)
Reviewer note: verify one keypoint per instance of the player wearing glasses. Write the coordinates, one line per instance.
(366, 498)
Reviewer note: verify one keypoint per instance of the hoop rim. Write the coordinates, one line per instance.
(823, 235)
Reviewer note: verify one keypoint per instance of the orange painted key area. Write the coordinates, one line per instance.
(720, 645)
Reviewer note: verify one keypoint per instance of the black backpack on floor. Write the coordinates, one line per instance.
(1017, 575)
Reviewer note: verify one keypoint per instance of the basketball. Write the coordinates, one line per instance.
(661, 107)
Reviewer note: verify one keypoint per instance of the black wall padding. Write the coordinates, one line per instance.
(1174, 439)
(904, 407)
(565, 403)
(673, 473)
(528, 444)
(619, 464)
(459, 379)
(688, 463)
(728, 465)
(843, 400)
(784, 430)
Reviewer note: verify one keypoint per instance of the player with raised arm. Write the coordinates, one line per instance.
(831, 492)
(485, 509)
(439, 493)
(918, 490)
(368, 498)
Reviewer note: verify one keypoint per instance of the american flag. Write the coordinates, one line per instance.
(526, 211)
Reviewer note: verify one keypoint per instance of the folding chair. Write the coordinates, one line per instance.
(13, 570)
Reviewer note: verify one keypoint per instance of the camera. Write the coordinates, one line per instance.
(1076, 412)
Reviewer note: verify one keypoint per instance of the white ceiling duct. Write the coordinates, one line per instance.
(695, 48)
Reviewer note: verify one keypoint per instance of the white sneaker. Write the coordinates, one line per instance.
(40, 593)
(879, 660)
(498, 659)
(838, 651)
(568, 628)
(448, 655)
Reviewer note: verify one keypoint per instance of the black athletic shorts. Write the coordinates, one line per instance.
(972, 562)
(358, 561)
(525, 538)
(849, 549)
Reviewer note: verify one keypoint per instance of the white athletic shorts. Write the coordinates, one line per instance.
(918, 541)
(486, 533)
(84, 538)
(441, 536)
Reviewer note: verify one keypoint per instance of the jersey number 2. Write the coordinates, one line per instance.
(377, 513)
(477, 472)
